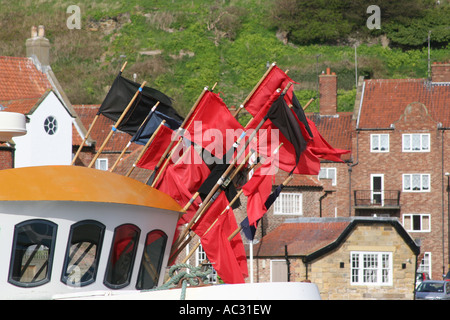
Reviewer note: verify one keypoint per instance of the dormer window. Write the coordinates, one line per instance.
(50, 125)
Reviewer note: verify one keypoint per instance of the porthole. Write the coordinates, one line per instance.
(50, 125)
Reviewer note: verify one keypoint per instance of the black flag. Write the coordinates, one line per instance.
(284, 119)
(120, 95)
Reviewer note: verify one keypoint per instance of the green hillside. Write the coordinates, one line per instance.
(181, 46)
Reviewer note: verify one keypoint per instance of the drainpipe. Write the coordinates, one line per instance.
(350, 169)
(288, 263)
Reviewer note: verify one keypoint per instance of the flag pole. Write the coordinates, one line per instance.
(129, 142)
(207, 203)
(235, 232)
(166, 163)
(254, 89)
(145, 148)
(308, 103)
(164, 156)
(114, 128)
(92, 125)
(85, 139)
(176, 244)
(211, 226)
(120, 157)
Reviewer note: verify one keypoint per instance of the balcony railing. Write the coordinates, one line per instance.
(377, 198)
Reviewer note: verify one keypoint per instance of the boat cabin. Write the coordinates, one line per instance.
(67, 229)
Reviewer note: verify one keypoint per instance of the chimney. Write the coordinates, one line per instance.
(38, 45)
(440, 72)
(328, 93)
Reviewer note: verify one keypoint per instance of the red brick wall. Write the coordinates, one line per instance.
(328, 93)
(6, 158)
(440, 72)
(395, 163)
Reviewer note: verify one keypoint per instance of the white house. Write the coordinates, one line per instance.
(49, 135)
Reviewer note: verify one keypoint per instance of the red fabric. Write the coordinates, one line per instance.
(257, 190)
(212, 126)
(275, 79)
(321, 148)
(228, 257)
(156, 149)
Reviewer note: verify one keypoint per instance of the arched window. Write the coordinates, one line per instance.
(122, 255)
(152, 258)
(32, 253)
(83, 253)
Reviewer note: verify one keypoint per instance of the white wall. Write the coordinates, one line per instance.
(37, 147)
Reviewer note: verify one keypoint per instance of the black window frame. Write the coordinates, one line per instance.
(14, 253)
(159, 262)
(101, 235)
(109, 266)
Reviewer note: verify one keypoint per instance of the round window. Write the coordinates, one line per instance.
(50, 125)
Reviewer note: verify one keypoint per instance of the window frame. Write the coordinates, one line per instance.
(131, 264)
(410, 135)
(421, 217)
(410, 175)
(372, 136)
(64, 276)
(99, 163)
(425, 264)
(14, 252)
(327, 174)
(50, 125)
(379, 270)
(158, 263)
(278, 204)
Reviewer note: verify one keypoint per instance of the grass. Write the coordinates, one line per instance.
(200, 43)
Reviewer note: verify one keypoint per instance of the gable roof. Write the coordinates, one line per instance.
(311, 238)
(22, 84)
(384, 100)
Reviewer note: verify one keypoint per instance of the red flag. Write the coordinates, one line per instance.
(275, 79)
(257, 190)
(321, 148)
(212, 126)
(228, 257)
(156, 149)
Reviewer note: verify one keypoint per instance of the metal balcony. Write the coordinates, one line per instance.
(373, 199)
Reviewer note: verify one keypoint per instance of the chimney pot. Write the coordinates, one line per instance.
(33, 32)
(328, 71)
(41, 31)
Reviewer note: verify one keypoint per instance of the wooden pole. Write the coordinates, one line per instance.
(207, 203)
(307, 104)
(211, 226)
(120, 157)
(235, 232)
(116, 125)
(166, 163)
(145, 148)
(169, 147)
(254, 89)
(129, 143)
(85, 138)
(92, 125)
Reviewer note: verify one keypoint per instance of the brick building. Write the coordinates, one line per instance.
(400, 151)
